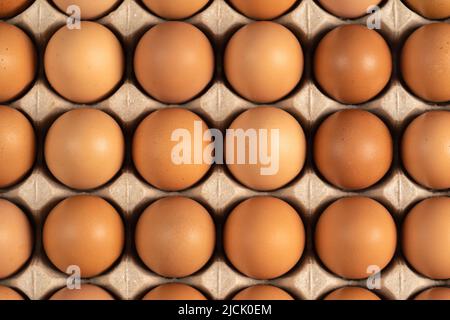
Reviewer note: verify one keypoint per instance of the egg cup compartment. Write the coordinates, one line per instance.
(218, 191)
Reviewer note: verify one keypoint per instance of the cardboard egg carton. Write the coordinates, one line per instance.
(218, 191)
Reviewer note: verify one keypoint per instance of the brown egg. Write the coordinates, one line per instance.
(264, 237)
(84, 148)
(425, 62)
(425, 149)
(86, 292)
(350, 9)
(174, 62)
(175, 237)
(263, 292)
(263, 9)
(174, 291)
(10, 8)
(89, 9)
(354, 234)
(9, 294)
(353, 149)
(17, 146)
(175, 9)
(285, 147)
(352, 293)
(18, 60)
(153, 149)
(84, 65)
(437, 293)
(426, 238)
(84, 231)
(352, 64)
(16, 239)
(431, 9)
(263, 62)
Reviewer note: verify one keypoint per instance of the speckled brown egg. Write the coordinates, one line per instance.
(278, 135)
(426, 149)
(352, 64)
(263, 292)
(84, 148)
(174, 291)
(263, 9)
(7, 293)
(431, 9)
(10, 8)
(175, 9)
(353, 235)
(425, 62)
(350, 9)
(83, 231)
(16, 239)
(174, 62)
(85, 292)
(352, 293)
(426, 238)
(84, 65)
(263, 62)
(17, 146)
(175, 237)
(89, 9)
(18, 61)
(264, 237)
(436, 293)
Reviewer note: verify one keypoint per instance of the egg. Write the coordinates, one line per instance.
(276, 132)
(174, 291)
(16, 239)
(9, 294)
(426, 240)
(349, 9)
(264, 237)
(174, 62)
(10, 8)
(84, 148)
(85, 292)
(431, 9)
(83, 231)
(175, 9)
(84, 65)
(17, 146)
(353, 149)
(179, 226)
(352, 64)
(263, 62)
(263, 292)
(436, 293)
(352, 293)
(353, 234)
(18, 62)
(425, 149)
(88, 9)
(153, 149)
(425, 62)
(263, 9)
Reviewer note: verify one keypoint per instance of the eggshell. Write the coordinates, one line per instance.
(174, 291)
(17, 146)
(153, 148)
(86, 292)
(291, 148)
(425, 149)
(263, 9)
(16, 239)
(175, 237)
(10, 8)
(352, 64)
(349, 8)
(431, 9)
(425, 62)
(354, 234)
(352, 293)
(426, 238)
(89, 9)
(18, 60)
(264, 237)
(84, 231)
(175, 9)
(263, 62)
(84, 65)
(9, 294)
(263, 292)
(174, 62)
(84, 148)
(437, 293)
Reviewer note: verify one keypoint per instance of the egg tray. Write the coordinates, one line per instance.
(218, 191)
